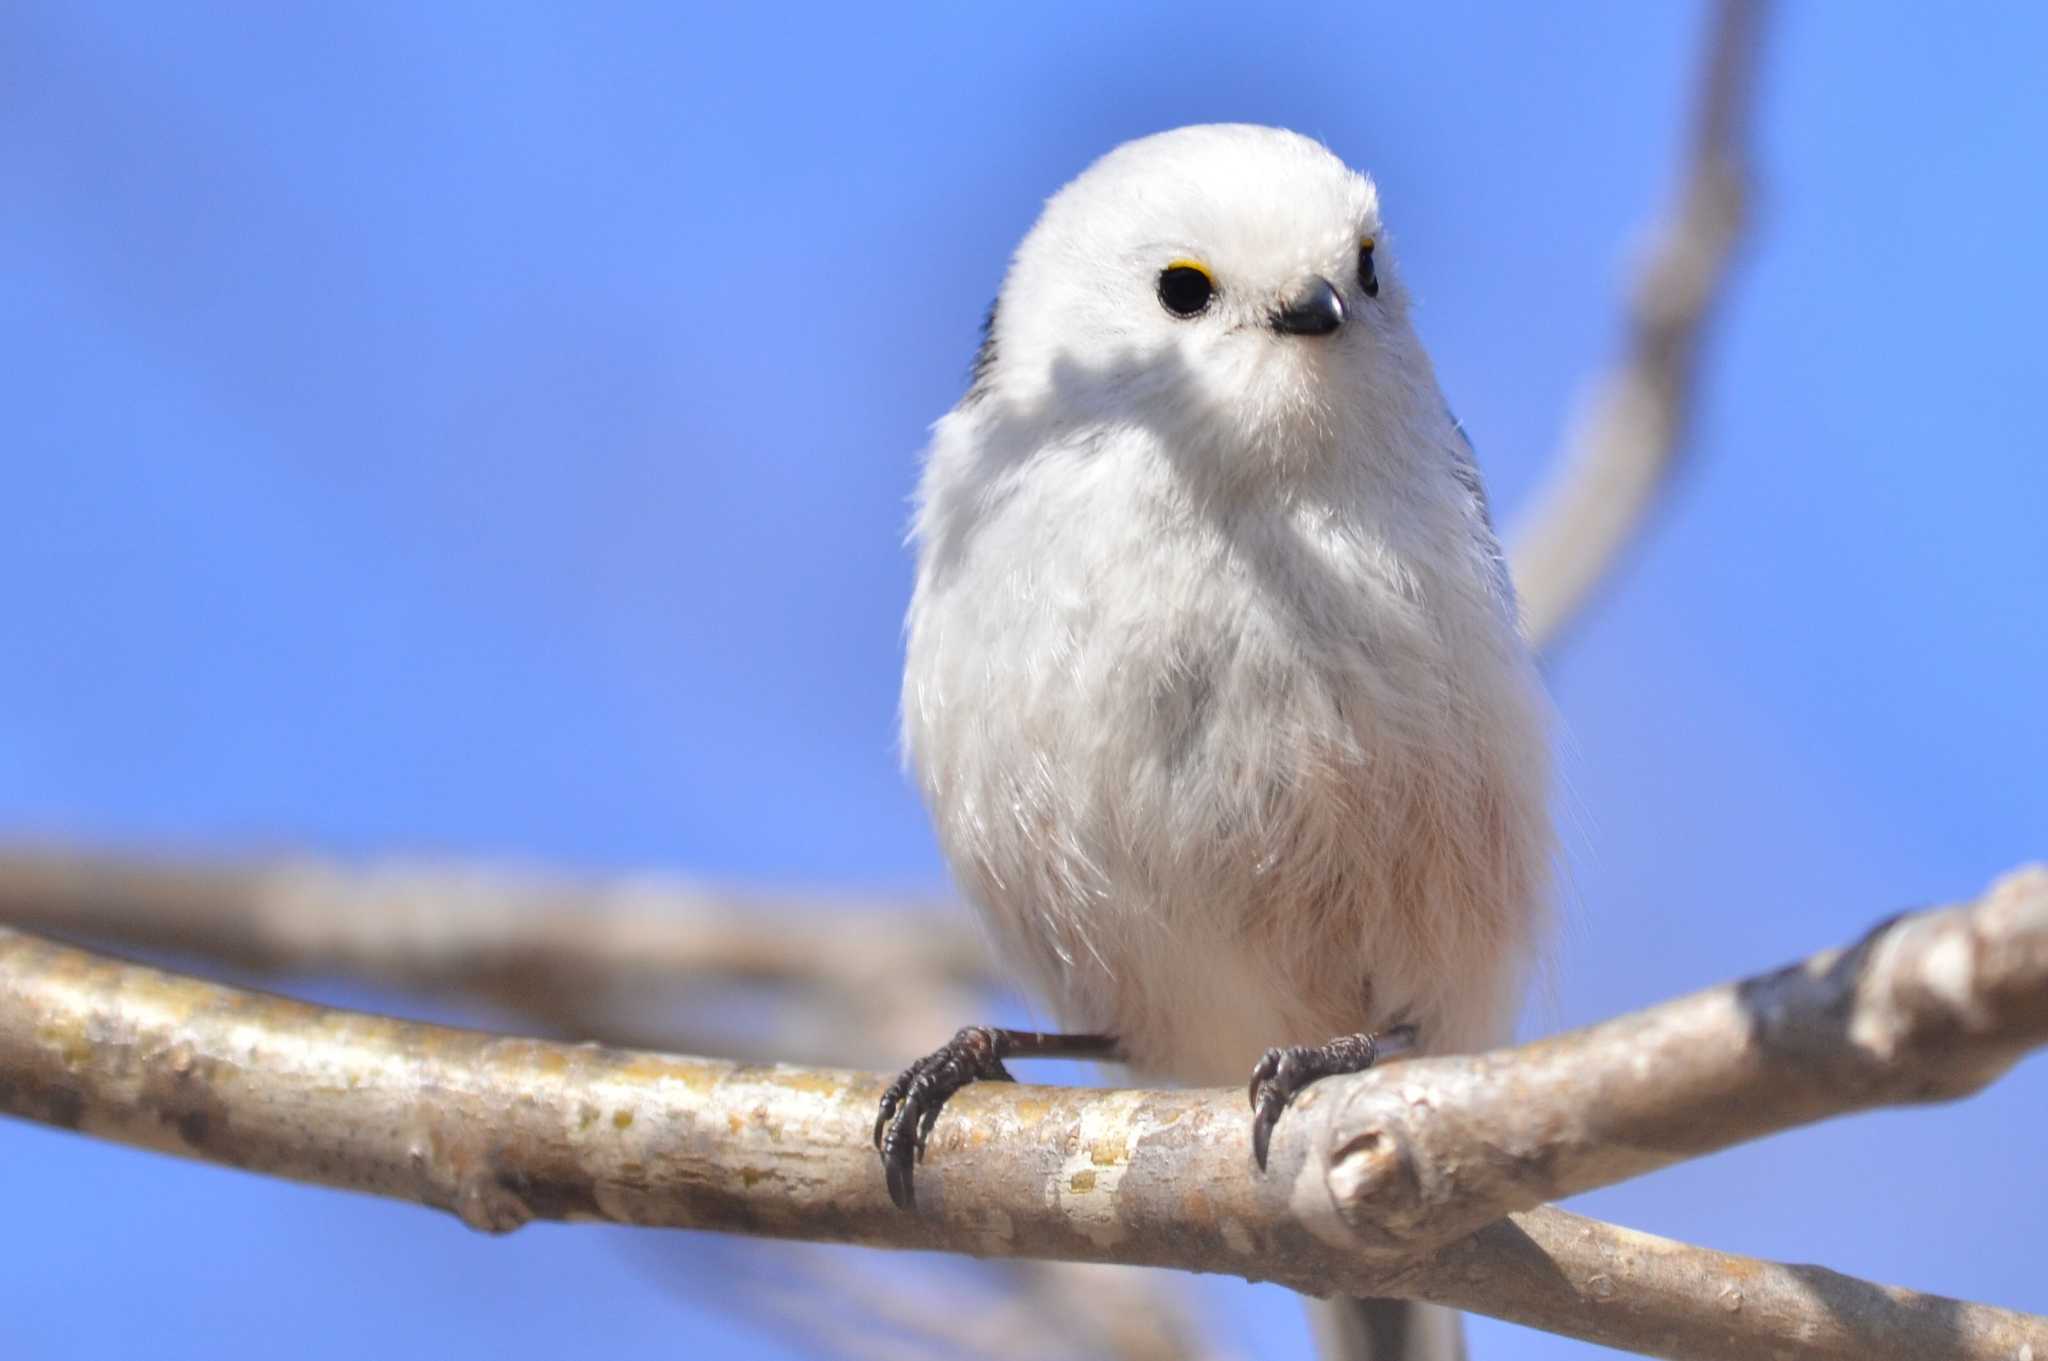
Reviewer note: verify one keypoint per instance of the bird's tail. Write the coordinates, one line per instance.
(1386, 1330)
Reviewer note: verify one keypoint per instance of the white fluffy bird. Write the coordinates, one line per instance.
(1215, 686)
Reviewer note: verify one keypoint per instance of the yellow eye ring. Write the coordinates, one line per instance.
(1185, 288)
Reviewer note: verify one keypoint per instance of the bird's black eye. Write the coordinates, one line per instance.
(1185, 288)
(1368, 277)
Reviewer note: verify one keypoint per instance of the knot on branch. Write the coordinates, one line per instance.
(1380, 1188)
(1925, 982)
(489, 1206)
(1407, 1171)
(461, 1167)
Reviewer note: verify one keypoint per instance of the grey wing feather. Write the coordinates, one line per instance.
(1466, 470)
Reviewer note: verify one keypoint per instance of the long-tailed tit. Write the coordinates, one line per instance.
(1215, 687)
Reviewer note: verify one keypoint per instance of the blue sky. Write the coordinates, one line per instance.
(485, 430)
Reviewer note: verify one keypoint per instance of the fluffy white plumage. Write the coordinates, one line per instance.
(1214, 683)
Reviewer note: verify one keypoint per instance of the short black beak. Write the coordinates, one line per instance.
(1316, 309)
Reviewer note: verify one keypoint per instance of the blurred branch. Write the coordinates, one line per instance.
(438, 927)
(1623, 446)
(1019, 1310)
(1359, 1200)
(591, 960)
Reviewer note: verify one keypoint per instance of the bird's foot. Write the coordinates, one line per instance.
(911, 1105)
(1282, 1073)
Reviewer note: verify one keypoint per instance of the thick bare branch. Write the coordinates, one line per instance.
(856, 983)
(1623, 445)
(1928, 1007)
(500, 1131)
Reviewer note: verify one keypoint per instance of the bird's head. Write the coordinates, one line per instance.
(1230, 284)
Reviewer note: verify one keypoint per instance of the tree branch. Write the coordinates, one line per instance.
(587, 959)
(437, 926)
(1635, 1291)
(1623, 446)
(646, 962)
(1927, 1007)
(501, 1131)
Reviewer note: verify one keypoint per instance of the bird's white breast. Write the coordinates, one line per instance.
(1223, 775)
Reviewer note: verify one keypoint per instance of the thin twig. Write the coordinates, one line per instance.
(1623, 446)
(501, 1131)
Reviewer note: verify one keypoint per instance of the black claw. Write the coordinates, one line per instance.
(911, 1105)
(1262, 1071)
(1280, 1074)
